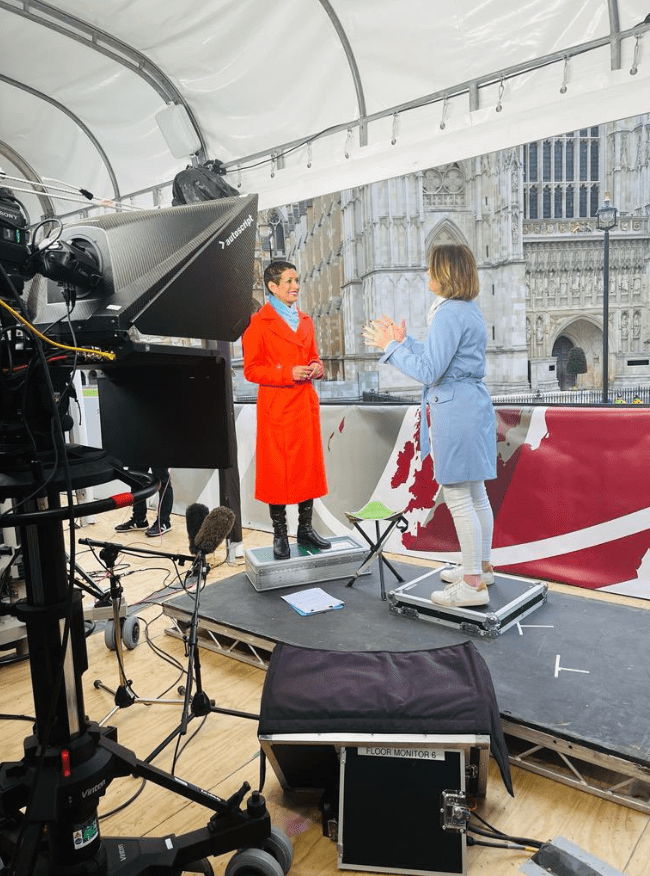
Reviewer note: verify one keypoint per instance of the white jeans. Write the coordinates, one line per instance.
(471, 512)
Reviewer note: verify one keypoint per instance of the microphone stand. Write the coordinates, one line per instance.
(124, 695)
(102, 607)
(181, 559)
(199, 705)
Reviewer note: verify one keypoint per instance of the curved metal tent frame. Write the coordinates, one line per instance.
(347, 128)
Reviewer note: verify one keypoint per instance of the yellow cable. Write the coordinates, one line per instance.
(101, 353)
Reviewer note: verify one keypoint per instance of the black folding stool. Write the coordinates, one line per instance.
(379, 513)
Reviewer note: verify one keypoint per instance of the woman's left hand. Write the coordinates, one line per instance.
(380, 332)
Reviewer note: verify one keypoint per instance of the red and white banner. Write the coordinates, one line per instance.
(571, 499)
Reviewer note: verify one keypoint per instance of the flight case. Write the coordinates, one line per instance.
(403, 809)
(401, 799)
(305, 565)
(395, 739)
(511, 599)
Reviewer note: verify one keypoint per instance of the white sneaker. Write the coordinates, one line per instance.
(456, 574)
(461, 594)
(235, 551)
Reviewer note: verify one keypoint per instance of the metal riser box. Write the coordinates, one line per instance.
(305, 565)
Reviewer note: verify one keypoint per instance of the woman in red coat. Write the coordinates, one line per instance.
(280, 355)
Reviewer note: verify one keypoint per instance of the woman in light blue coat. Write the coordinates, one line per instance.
(451, 366)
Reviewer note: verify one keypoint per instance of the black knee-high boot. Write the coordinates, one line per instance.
(306, 534)
(280, 540)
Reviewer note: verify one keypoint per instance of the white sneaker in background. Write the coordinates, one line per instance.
(456, 574)
(235, 551)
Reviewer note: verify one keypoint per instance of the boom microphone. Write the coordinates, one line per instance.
(194, 517)
(216, 526)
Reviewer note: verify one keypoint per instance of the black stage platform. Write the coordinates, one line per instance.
(571, 678)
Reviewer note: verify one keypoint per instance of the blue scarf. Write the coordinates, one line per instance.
(288, 314)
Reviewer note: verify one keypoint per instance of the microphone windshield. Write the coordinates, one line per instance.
(194, 517)
(214, 529)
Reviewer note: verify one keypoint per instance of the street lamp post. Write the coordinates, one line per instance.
(606, 219)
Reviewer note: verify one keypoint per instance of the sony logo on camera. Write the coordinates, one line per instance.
(11, 209)
(12, 215)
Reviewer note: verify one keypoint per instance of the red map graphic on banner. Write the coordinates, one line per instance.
(570, 477)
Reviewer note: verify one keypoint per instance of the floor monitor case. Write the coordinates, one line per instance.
(389, 792)
(396, 740)
(393, 809)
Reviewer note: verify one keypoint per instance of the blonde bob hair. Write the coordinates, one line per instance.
(453, 266)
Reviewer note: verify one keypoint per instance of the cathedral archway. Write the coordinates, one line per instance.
(444, 232)
(561, 352)
(588, 335)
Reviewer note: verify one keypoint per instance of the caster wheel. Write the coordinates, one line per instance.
(253, 862)
(109, 635)
(131, 631)
(279, 846)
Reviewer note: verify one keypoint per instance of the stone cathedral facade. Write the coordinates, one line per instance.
(529, 216)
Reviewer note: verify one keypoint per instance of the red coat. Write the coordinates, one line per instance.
(289, 452)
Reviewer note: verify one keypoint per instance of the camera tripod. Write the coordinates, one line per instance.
(49, 824)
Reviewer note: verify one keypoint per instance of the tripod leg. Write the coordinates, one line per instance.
(375, 553)
(123, 696)
(382, 583)
(199, 704)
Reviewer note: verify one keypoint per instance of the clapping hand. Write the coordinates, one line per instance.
(380, 332)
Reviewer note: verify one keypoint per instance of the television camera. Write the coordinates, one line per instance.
(80, 297)
(34, 389)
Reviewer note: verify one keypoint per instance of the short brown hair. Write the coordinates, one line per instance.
(274, 271)
(454, 267)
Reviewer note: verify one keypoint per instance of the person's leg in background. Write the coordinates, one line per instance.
(138, 518)
(230, 497)
(473, 519)
(229, 482)
(162, 523)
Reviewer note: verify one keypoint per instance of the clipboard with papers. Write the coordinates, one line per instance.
(312, 601)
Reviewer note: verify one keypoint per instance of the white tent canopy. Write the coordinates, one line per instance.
(300, 97)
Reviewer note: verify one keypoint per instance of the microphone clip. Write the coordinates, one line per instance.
(199, 571)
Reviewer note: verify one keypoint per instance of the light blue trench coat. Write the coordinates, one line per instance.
(451, 365)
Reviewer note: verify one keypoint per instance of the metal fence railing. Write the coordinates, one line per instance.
(639, 395)
(628, 395)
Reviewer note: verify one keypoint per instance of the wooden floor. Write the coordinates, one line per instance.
(220, 752)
